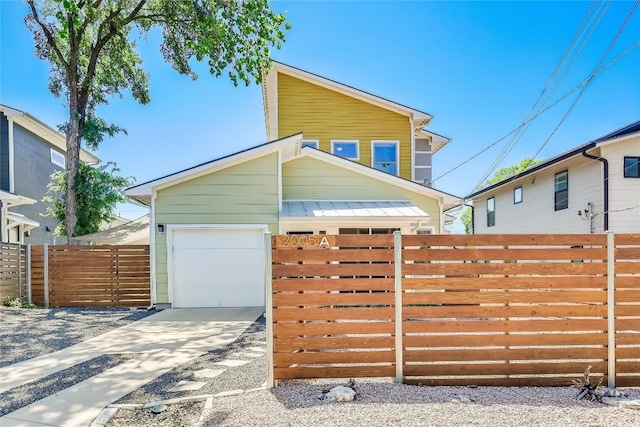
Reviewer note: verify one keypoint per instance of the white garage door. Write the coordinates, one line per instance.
(218, 268)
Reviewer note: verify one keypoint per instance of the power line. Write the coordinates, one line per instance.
(568, 52)
(619, 57)
(588, 81)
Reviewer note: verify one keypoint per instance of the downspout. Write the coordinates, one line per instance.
(605, 183)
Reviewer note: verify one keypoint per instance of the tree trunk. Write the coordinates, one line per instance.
(73, 160)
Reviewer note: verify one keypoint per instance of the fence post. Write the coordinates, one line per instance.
(20, 276)
(45, 258)
(397, 262)
(268, 306)
(28, 256)
(611, 311)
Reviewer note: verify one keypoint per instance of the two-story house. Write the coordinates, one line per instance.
(339, 161)
(590, 189)
(30, 151)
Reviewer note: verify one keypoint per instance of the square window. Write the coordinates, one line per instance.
(58, 158)
(561, 190)
(347, 149)
(631, 167)
(491, 212)
(385, 156)
(313, 143)
(517, 195)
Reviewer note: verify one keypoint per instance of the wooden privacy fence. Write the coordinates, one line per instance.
(14, 271)
(80, 275)
(456, 309)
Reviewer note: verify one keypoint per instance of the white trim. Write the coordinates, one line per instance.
(53, 153)
(413, 149)
(311, 141)
(169, 229)
(346, 141)
(11, 155)
(279, 180)
(213, 166)
(373, 173)
(152, 249)
(418, 116)
(384, 141)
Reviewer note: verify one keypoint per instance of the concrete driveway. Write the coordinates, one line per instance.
(165, 340)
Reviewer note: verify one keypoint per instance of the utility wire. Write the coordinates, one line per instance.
(568, 53)
(619, 57)
(588, 81)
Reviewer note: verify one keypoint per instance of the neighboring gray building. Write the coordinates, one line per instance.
(30, 151)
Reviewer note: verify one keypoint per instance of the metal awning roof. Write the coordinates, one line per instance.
(351, 209)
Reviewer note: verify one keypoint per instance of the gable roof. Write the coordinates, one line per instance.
(44, 131)
(623, 132)
(290, 147)
(398, 181)
(269, 97)
(290, 144)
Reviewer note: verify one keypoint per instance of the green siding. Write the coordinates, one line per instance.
(243, 194)
(312, 179)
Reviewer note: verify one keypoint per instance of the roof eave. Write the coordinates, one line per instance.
(535, 168)
(416, 115)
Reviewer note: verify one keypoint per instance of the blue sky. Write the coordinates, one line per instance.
(478, 67)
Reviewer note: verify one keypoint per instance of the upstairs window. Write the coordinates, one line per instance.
(347, 149)
(561, 190)
(491, 212)
(631, 167)
(313, 143)
(517, 195)
(384, 156)
(58, 158)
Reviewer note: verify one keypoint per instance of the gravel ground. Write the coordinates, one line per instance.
(388, 404)
(29, 333)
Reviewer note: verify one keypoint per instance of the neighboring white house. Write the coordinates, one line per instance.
(593, 188)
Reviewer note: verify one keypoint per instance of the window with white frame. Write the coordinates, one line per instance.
(384, 156)
(313, 143)
(347, 149)
(58, 158)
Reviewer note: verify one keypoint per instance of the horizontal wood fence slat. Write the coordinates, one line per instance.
(96, 276)
(13, 271)
(520, 310)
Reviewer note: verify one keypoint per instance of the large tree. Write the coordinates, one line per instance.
(99, 190)
(500, 175)
(91, 47)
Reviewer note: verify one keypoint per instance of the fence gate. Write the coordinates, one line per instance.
(14, 271)
(479, 309)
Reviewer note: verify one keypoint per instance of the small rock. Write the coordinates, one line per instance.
(461, 399)
(614, 393)
(622, 402)
(159, 408)
(340, 394)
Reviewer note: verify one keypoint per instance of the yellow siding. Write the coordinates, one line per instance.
(324, 115)
(311, 179)
(243, 194)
